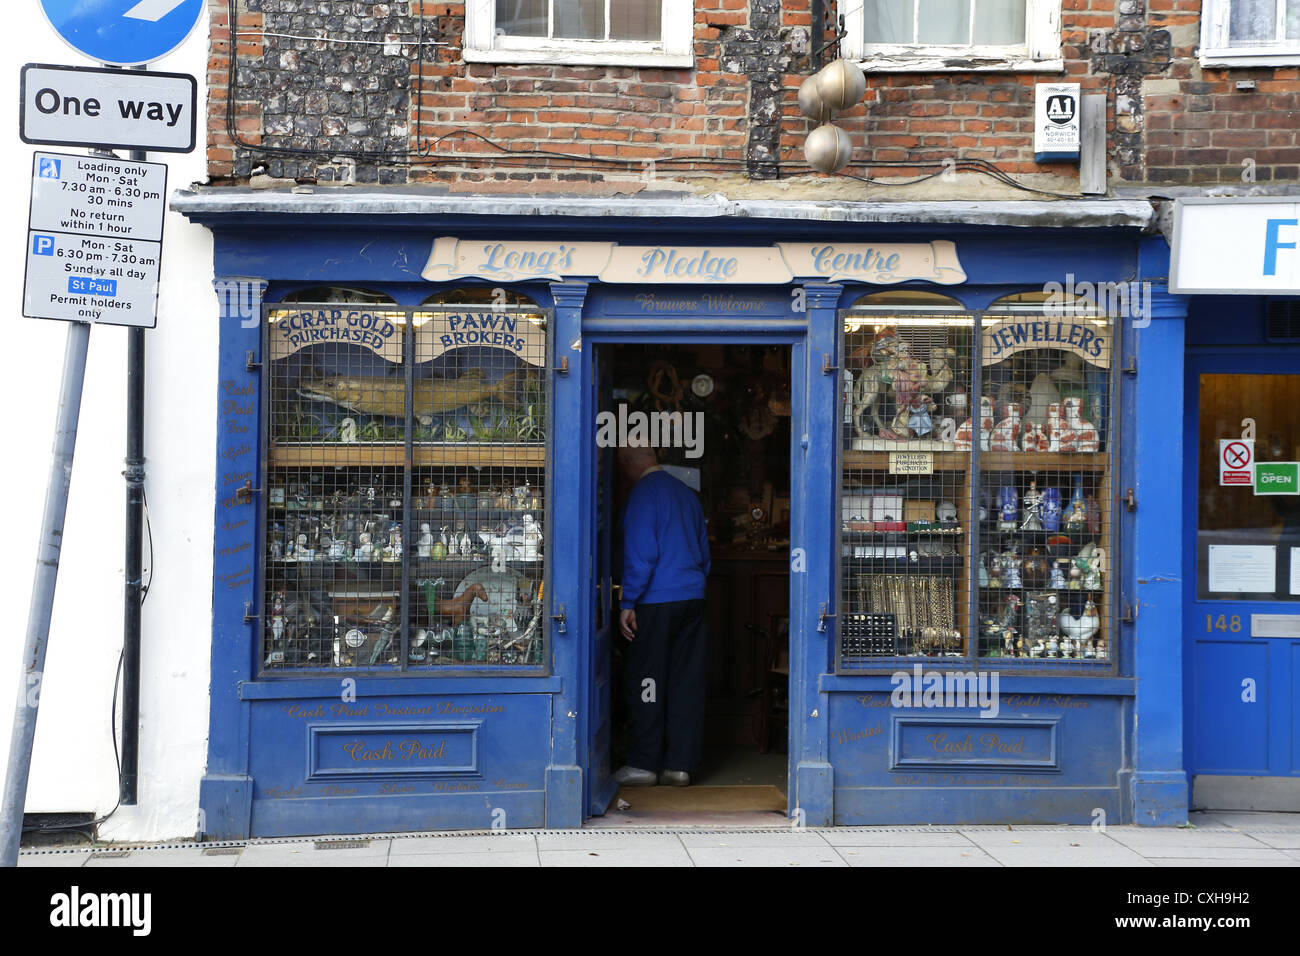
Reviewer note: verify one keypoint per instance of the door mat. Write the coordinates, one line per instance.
(701, 798)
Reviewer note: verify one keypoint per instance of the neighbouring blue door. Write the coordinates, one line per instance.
(600, 785)
(1241, 573)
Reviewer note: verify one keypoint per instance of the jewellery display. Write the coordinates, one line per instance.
(1026, 469)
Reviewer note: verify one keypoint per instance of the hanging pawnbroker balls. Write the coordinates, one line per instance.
(828, 149)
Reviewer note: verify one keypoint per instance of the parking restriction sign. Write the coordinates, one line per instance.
(1237, 461)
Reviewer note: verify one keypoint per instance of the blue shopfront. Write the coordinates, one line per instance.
(966, 546)
(1236, 262)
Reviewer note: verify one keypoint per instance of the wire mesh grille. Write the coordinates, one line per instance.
(975, 505)
(406, 486)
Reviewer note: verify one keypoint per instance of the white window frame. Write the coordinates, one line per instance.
(482, 45)
(1040, 53)
(1216, 50)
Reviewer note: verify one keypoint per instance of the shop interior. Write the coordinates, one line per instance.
(740, 394)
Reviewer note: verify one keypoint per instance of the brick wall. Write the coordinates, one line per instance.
(733, 117)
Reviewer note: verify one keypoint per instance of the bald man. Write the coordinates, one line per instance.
(665, 567)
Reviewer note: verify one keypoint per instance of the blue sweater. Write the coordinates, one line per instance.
(665, 544)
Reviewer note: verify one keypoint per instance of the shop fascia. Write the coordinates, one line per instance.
(610, 262)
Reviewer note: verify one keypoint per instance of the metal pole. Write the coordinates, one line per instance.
(42, 606)
(128, 781)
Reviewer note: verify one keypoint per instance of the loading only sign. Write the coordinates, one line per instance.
(94, 240)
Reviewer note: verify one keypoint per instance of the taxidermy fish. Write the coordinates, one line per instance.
(386, 397)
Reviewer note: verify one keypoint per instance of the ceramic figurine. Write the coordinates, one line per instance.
(1007, 510)
(532, 538)
(996, 565)
(1067, 647)
(983, 573)
(1056, 578)
(1037, 649)
(1055, 425)
(1043, 395)
(466, 546)
(393, 550)
(365, 550)
(1084, 626)
(301, 552)
(965, 432)
(424, 546)
(1084, 432)
(1012, 564)
(1009, 645)
(1035, 437)
(277, 616)
(337, 546)
(348, 431)
(1053, 646)
(1033, 520)
(1077, 518)
(1034, 569)
(1006, 436)
(370, 493)
(1051, 509)
(277, 550)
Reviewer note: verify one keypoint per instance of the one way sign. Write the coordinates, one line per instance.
(110, 109)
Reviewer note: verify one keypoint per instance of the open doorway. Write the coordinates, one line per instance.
(735, 452)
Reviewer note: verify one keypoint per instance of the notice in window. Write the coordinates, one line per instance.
(1243, 569)
(1295, 571)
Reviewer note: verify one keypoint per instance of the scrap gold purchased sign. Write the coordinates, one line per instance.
(783, 263)
(436, 332)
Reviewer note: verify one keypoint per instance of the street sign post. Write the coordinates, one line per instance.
(107, 109)
(94, 240)
(124, 32)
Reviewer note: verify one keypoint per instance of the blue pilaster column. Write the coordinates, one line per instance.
(812, 570)
(571, 468)
(226, 791)
(1159, 782)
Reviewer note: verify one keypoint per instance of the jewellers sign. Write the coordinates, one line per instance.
(759, 265)
(1086, 338)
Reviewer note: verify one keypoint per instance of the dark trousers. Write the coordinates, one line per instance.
(666, 718)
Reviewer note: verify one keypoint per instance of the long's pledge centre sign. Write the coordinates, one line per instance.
(784, 262)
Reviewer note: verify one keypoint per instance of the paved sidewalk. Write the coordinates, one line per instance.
(1216, 839)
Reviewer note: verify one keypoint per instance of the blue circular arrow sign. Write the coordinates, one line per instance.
(124, 32)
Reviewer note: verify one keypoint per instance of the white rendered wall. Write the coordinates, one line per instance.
(73, 767)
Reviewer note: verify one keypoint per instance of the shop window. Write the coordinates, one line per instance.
(637, 32)
(1250, 33)
(955, 35)
(975, 505)
(406, 480)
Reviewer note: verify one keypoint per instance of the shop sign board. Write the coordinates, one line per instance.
(785, 262)
(1277, 478)
(1236, 461)
(911, 463)
(108, 109)
(1237, 246)
(94, 240)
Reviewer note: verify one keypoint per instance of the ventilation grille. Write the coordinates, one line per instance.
(1282, 322)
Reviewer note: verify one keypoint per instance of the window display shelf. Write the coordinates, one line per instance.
(394, 455)
(989, 460)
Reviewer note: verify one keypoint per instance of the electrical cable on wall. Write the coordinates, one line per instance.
(526, 157)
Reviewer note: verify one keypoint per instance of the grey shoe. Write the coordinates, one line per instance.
(634, 777)
(675, 778)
